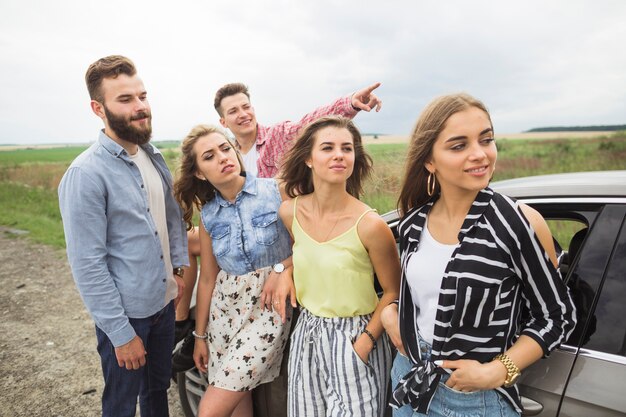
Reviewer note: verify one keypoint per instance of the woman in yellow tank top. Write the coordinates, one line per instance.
(340, 358)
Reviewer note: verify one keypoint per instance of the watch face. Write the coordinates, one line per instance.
(278, 268)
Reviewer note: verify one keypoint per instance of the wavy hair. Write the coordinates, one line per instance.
(298, 177)
(428, 127)
(227, 91)
(190, 191)
(111, 66)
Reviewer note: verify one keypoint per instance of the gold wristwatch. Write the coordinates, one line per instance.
(512, 371)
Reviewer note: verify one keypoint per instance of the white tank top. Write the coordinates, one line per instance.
(424, 273)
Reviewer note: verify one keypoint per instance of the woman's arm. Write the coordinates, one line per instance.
(380, 244)
(539, 225)
(282, 288)
(391, 323)
(206, 283)
(470, 375)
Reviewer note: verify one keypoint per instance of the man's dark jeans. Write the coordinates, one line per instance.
(150, 382)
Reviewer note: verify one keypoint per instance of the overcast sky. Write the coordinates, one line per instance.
(534, 63)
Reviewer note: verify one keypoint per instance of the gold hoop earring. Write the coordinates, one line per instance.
(430, 186)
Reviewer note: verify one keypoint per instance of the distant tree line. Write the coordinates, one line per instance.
(598, 128)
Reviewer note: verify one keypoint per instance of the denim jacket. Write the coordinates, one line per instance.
(248, 234)
(112, 243)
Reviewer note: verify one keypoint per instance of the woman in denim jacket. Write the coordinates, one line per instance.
(243, 244)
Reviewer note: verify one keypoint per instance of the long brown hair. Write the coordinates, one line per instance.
(190, 191)
(428, 127)
(298, 177)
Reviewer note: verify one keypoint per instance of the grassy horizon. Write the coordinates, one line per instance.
(29, 177)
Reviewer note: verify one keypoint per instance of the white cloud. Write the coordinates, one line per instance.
(533, 63)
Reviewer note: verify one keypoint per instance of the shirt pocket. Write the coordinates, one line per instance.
(266, 228)
(476, 305)
(220, 234)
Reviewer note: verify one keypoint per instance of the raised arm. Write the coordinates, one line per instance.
(366, 100)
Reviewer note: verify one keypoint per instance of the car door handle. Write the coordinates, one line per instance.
(530, 407)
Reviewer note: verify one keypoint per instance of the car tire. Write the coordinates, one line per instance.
(191, 386)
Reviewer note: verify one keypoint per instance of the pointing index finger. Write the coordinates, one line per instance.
(372, 87)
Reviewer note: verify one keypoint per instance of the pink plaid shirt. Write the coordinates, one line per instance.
(273, 141)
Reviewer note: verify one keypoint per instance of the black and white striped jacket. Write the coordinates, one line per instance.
(499, 283)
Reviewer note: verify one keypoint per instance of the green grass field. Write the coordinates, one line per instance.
(29, 177)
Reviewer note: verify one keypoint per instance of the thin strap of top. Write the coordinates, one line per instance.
(295, 220)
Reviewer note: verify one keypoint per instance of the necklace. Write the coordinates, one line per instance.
(334, 224)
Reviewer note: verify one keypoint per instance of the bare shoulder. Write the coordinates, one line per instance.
(535, 218)
(281, 188)
(285, 211)
(539, 225)
(373, 229)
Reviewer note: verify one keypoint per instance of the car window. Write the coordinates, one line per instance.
(572, 227)
(564, 229)
(609, 335)
(568, 236)
(585, 273)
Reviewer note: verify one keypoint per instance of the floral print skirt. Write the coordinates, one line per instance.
(245, 343)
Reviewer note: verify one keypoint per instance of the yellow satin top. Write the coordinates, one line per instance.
(333, 278)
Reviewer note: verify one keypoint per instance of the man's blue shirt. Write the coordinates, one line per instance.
(112, 242)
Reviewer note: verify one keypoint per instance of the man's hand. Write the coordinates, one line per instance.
(365, 100)
(132, 355)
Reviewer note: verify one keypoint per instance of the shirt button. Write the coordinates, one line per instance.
(161, 256)
(156, 233)
(141, 185)
(163, 280)
(148, 209)
(131, 164)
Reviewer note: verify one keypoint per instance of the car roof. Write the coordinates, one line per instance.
(578, 184)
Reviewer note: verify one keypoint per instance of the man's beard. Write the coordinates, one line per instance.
(126, 131)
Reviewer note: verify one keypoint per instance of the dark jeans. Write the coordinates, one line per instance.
(150, 382)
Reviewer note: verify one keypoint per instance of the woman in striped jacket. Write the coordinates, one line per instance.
(480, 298)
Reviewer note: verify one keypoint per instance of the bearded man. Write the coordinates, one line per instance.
(126, 242)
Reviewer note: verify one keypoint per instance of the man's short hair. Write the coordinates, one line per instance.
(108, 67)
(227, 91)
